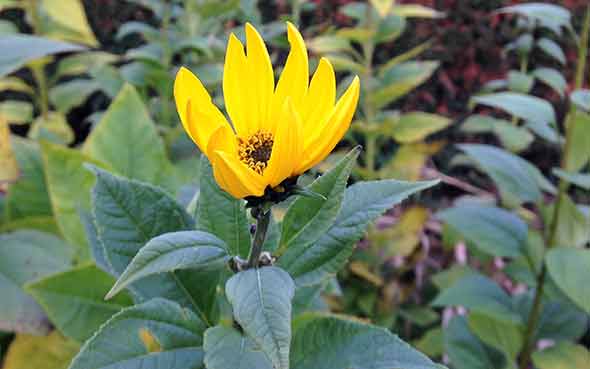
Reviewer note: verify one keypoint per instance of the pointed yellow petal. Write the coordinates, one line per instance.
(187, 87)
(319, 101)
(235, 86)
(234, 177)
(334, 129)
(287, 147)
(201, 125)
(261, 80)
(223, 139)
(295, 76)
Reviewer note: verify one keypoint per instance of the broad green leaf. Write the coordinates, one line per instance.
(551, 16)
(409, 160)
(21, 49)
(15, 84)
(155, 334)
(329, 342)
(520, 82)
(310, 217)
(570, 269)
(526, 107)
(74, 300)
(552, 78)
(518, 180)
(466, 351)
(514, 138)
(71, 16)
(220, 214)
(448, 277)
(6, 26)
(389, 28)
(503, 336)
(416, 11)
(363, 202)
(342, 62)
(261, 302)
(16, 112)
(148, 32)
(582, 99)
(431, 343)
(68, 95)
(24, 257)
(551, 48)
(171, 252)
(69, 188)
(40, 352)
(228, 348)
(81, 63)
(493, 230)
(96, 247)
(9, 171)
(127, 121)
(579, 179)
(53, 127)
(28, 196)
(480, 294)
(564, 355)
(329, 44)
(416, 126)
(383, 7)
(401, 79)
(108, 79)
(128, 214)
(579, 140)
(573, 226)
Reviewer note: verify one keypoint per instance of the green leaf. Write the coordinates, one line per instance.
(6, 26)
(503, 336)
(329, 44)
(466, 351)
(416, 126)
(16, 84)
(582, 99)
(526, 107)
(24, 257)
(308, 218)
(40, 352)
(363, 202)
(494, 231)
(69, 188)
(81, 63)
(70, 17)
(155, 334)
(21, 49)
(401, 79)
(520, 82)
(16, 112)
(68, 95)
(148, 32)
(227, 348)
(514, 138)
(127, 121)
(572, 225)
(480, 294)
(389, 28)
(580, 140)
(564, 355)
(128, 214)
(551, 16)
(552, 78)
(570, 269)
(221, 214)
(171, 252)
(261, 301)
(518, 180)
(578, 179)
(74, 302)
(28, 196)
(53, 127)
(416, 11)
(551, 48)
(328, 342)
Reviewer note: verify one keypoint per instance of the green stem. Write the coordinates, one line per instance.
(167, 60)
(262, 221)
(38, 69)
(535, 314)
(371, 138)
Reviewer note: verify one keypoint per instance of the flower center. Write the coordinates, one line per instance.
(255, 151)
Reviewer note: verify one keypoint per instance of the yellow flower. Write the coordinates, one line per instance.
(278, 131)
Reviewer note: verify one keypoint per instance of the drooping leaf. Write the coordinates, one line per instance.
(74, 300)
(363, 202)
(71, 19)
(171, 252)
(24, 257)
(261, 302)
(570, 269)
(552, 78)
(328, 342)
(495, 231)
(310, 217)
(155, 334)
(21, 49)
(220, 214)
(227, 348)
(551, 48)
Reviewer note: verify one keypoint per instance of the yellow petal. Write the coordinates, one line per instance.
(223, 139)
(234, 177)
(295, 76)
(319, 101)
(235, 86)
(261, 80)
(201, 125)
(287, 147)
(336, 126)
(187, 87)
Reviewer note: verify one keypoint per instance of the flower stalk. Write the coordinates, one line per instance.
(262, 216)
